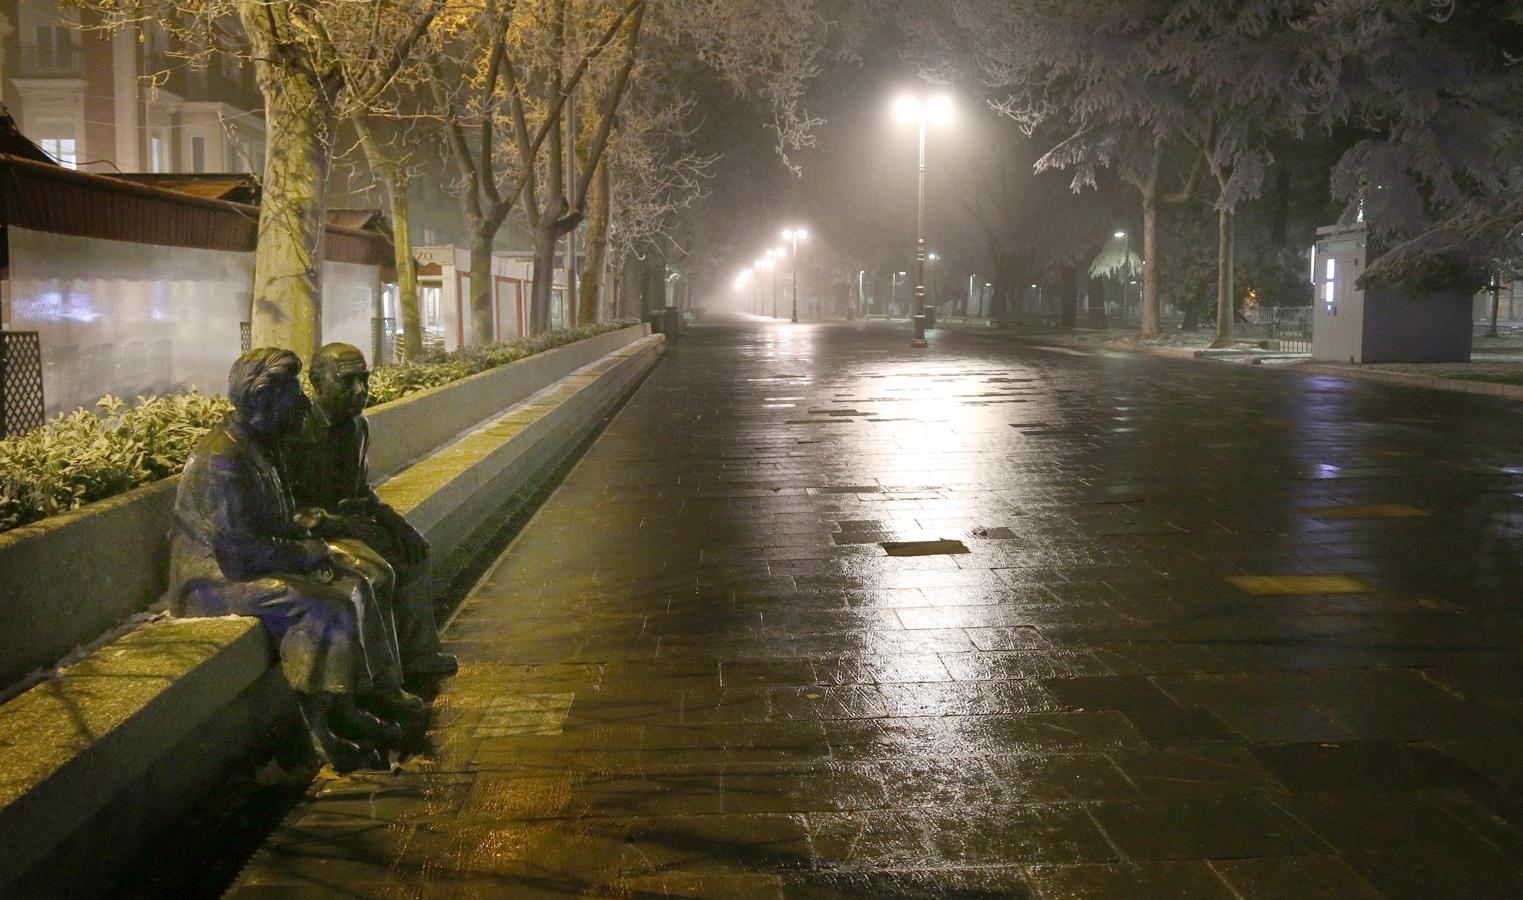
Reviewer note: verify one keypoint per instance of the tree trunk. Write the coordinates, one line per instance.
(288, 263)
(482, 331)
(1068, 298)
(407, 270)
(600, 203)
(1223, 279)
(1149, 267)
(543, 293)
(395, 182)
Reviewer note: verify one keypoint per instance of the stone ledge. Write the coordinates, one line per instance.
(68, 744)
(95, 760)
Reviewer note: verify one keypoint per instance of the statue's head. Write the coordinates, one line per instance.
(340, 381)
(264, 389)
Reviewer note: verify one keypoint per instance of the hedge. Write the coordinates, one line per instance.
(80, 457)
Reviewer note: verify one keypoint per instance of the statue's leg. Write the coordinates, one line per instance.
(417, 629)
(413, 606)
(376, 583)
(320, 628)
(372, 581)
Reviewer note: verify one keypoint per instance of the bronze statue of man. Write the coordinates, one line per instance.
(237, 548)
(333, 476)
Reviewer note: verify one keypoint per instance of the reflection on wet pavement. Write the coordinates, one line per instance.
(1157, 629)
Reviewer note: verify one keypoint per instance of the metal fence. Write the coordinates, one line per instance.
(245, 337)
(1292, 329)
(383, 341)
(21, 406)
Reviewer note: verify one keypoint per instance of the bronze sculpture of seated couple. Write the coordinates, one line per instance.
(275, 518)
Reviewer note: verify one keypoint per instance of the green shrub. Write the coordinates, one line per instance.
(80, 457)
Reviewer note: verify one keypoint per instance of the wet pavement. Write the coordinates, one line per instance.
(1150, 628)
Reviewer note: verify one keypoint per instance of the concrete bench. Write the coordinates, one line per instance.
(95, 762)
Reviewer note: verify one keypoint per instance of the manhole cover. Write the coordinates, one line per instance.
(923, 548)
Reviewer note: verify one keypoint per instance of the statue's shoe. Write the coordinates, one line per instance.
(343, 754)
(358, 725)
(394, 703)
(433, 665)
(362, 758)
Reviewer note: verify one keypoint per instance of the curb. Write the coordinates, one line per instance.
(1428, 382)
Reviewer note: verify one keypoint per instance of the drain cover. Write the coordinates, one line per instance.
(923, 548)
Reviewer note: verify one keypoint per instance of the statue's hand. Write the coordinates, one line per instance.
(319, 557)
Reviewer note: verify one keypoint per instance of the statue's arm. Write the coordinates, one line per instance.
(388, 518)
(243, 550)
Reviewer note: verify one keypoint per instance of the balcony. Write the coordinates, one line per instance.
(58, 61)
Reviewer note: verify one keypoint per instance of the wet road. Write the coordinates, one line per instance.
(1204, 631)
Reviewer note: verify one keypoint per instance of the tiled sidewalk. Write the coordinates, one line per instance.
(1217, 633)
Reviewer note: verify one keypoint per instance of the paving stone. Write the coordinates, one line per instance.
(1294, 878)
(1209, 638)
(1139, 880)
(1205, 828)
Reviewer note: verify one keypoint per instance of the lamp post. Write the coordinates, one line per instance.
(740, 282)
(922, 111)
(769, 264)
(930, 287)
(795, 235)
(1126, 261)
(774, 256)
(762, 264)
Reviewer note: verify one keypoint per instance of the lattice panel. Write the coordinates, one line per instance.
(21, 403)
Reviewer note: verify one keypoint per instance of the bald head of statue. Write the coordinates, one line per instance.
(340, 381)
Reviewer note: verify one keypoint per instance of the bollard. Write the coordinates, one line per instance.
(919, 339)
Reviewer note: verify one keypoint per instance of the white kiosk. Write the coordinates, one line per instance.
(1352, 325)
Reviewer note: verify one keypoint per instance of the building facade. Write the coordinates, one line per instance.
(124, 101)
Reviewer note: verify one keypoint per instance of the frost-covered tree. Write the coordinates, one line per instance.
(1130, 82)
(1082, 73)
(1437, 88)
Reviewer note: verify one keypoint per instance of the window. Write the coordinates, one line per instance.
(61, 149)
(197, 153)
(431, 297)
(156, 160)
(55, 49)
(1329, 283)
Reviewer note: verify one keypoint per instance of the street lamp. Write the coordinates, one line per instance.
(795, 235)
(769, 262)
(936, 110)
(763, 263)
(893, 293)
(740, 283)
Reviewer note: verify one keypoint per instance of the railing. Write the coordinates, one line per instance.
(1291, 330)
(56, 60)
(21, 406)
